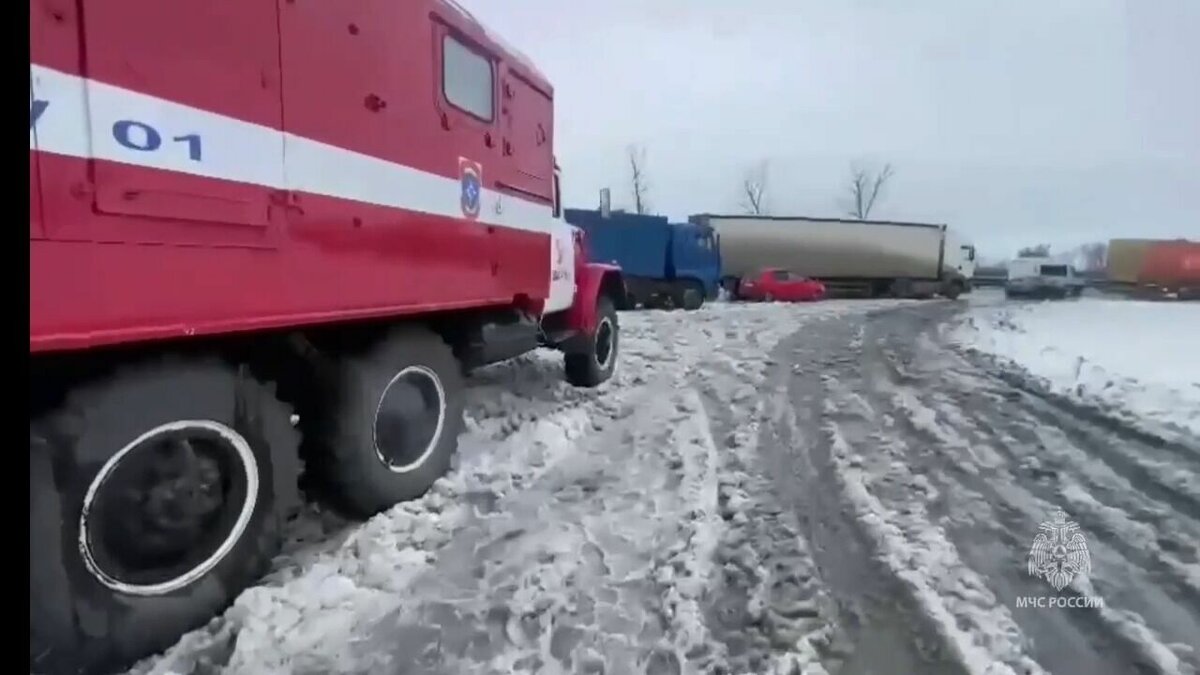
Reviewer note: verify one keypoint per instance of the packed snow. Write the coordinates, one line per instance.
(1137, 357)
(949, 470)
(769, 488)
(577, 530)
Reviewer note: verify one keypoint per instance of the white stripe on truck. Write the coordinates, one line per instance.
(79, 117)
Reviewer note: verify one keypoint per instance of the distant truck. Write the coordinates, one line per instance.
(862, 257)
(664, 264)
(1124, 262)
(1155, 267)
(1042, 277)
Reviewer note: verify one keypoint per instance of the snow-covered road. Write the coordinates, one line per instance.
(760, 489)
(949, 470)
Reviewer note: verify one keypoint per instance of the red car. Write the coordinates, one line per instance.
(778, 284)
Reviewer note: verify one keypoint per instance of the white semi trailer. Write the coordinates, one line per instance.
(874, 258)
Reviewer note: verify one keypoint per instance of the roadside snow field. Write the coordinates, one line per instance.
(580, 531)
(1139, 358)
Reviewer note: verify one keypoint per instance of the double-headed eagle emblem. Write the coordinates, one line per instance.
(1059, 552)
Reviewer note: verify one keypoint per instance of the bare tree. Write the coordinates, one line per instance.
(865, 188)
(1039, 251)
(1095, 256)
(640, 186)
(754, 189)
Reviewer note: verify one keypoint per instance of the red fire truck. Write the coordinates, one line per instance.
(266, 240)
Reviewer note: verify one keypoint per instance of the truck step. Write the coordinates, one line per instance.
(495, 341)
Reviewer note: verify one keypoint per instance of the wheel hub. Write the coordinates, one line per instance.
(409, 419)
(165, 509)
(604, 342)
(181, 494)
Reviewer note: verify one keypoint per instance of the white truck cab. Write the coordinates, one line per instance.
(959, 256)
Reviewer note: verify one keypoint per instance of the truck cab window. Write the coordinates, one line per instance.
(468, 81)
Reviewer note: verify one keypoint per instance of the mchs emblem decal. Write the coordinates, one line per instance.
(470, 176)
(1059, 552)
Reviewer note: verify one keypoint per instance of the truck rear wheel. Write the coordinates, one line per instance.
(155, 496)
(389, 425)
(595, 360)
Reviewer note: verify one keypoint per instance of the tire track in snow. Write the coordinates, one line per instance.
(1057, 458)
(574, 569)
(768, 608)
(1060, 449)
(306, 616)
(1147, 546)
(642, 440)
(1174, 483)
(867, 453)
(988, 504)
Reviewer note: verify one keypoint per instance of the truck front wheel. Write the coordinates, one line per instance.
(691, 297)
(389, 424)
(593, 358)
(155, 496)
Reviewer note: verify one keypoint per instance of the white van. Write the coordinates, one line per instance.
(1042, 278)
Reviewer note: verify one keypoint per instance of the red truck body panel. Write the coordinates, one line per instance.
(211, 166)
(1171, 265)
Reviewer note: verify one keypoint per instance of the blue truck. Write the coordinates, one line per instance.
(666, 265)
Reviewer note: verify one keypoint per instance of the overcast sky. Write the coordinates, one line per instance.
(1016, 122)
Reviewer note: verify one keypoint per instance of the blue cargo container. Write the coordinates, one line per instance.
(665, 264)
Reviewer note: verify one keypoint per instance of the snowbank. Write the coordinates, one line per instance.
(1136, 357)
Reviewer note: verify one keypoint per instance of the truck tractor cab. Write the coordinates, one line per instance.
(696, 256)
(958, 264)
(580, 315)
(664, 265)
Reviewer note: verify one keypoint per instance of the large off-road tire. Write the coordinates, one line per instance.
(389, 424)
(595, 359)
(156, 495)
